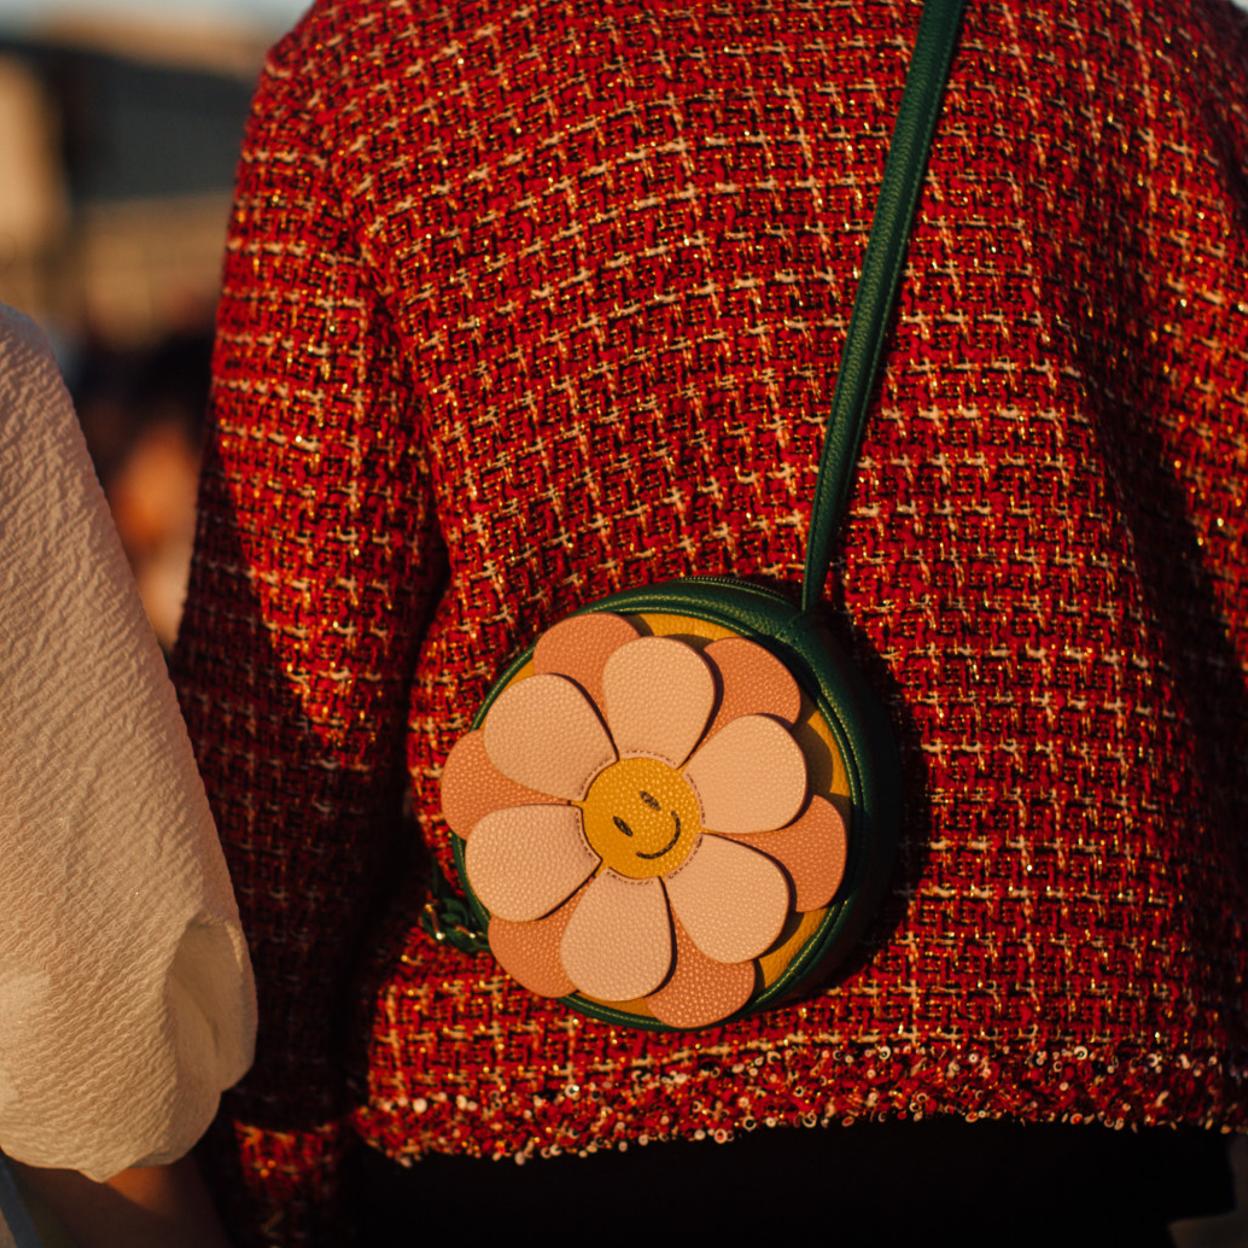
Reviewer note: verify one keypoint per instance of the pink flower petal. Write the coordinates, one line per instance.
(524, 861)
(529, 952)
(732, 901)
(580, 646)
(701, 991)
(473, 787)
(618, 945)
(811, 850)
(752, 682)
(658, 694)
(750, 776)
(544, 733)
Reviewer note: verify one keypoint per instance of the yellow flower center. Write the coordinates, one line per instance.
(641, 817)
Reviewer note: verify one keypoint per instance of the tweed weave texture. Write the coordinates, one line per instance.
(527, 304)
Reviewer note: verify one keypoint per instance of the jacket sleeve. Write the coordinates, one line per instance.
(126, 997)
(1197, 344)
(316, 559)
(1168, 352)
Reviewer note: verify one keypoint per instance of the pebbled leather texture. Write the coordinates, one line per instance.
(580, 646)
(732, 900)
(701, 991)
(749, 777)
(784, 661)
(618, 944)
(811, 850)
(529, 952)
(544, 733)
(659, 694)
(753, 682)
(523, 861)
(472, 786)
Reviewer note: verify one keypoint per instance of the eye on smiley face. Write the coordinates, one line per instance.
(642, 818)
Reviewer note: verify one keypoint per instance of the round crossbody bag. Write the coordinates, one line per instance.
(681, 803)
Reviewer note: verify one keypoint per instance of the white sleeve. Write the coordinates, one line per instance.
(126, 996)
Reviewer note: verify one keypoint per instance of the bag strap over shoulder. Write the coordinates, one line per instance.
(881, 271)
(448, 916)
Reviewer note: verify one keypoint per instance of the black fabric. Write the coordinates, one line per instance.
(932, 1182)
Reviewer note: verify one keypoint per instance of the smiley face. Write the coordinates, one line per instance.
(641, 818)
(654, 804)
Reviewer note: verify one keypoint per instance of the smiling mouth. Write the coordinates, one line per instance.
(670, 845)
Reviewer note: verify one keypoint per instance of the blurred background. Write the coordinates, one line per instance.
(120, 124)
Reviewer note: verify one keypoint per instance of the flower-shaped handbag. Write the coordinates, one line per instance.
(681, 803)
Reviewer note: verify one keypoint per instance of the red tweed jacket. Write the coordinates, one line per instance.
(526, 304)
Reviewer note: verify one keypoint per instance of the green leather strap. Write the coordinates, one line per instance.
(877, 288)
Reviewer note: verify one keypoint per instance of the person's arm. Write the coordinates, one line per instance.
(142, 1207)
(126, 997)
(1167, 375)
(315, 563)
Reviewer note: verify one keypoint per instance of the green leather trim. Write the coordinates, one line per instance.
(857, 721)
(881, 272)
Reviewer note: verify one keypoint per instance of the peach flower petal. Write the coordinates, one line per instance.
(732, 901)
(750, 776)
(618, 945)
(524, 861)
(580, 646)
(752, 682)
(544, 733)
(701, 991)
(811, 850)
(529, 952)
(472, 786)
(658, 694)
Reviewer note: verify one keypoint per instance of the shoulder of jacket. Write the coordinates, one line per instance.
(346, 43)
(351, 69)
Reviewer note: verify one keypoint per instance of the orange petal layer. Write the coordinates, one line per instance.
(543, 732)
(529, 952)
(732, 900)
(811, 850)
(701, 991)
(658, 695)
(752, 682)
(473, 787)
(580, 646)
